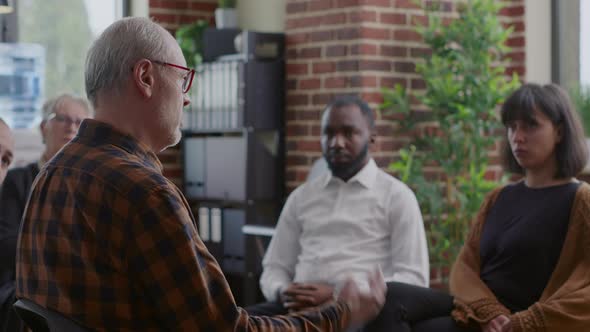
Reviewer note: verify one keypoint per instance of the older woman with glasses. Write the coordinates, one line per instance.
(62, 116)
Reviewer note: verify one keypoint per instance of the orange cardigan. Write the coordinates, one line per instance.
(565, 302)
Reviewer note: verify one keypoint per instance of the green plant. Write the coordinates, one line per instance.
(581, 99)
(227, 3)
(446, 163)
(190, 39)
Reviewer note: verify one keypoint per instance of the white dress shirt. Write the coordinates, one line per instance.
(330, 229)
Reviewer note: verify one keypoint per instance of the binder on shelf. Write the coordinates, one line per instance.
(234, 242)
(210, 230)
(204, 231)
(216, 225)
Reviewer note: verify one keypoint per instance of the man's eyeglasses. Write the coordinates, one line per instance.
(187, 79)
(62, 119)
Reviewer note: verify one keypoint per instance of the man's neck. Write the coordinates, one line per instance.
(125, 123)
(348, 174)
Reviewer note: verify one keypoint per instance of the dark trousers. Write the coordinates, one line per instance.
(407, 308)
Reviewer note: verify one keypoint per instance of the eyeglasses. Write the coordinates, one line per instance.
(187, 79)
(62, 119)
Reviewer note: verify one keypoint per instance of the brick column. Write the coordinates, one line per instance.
(358, 47)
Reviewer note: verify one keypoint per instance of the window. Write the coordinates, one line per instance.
(62, 31)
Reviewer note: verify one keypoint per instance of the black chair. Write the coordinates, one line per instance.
(40, 319)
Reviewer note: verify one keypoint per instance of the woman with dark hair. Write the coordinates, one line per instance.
(525, 265)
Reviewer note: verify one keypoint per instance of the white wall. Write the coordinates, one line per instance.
(262, 15)
(538, 41)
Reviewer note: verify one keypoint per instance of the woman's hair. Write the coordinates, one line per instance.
(571, 152)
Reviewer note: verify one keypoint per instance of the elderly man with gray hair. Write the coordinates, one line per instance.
(62, 116)
(121, 251)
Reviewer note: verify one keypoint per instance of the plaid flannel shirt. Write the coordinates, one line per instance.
(107, 240)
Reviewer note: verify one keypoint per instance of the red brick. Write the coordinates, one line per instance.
(297, 99)
(390, 82)
(297, 68)
(394, 51)
(363, 81)
(323, 67)
(337, 50)
(515, 42)
(206, 7)
(520, 71)
(321, 99)
(310, 84)
(417, 84)
(363, 16)
(318, 36)
(374, 33)
(297, 38)
(335, 82)
(346, 3)
(318, 5)
(296, 7)
(297, 160)
(517, 26)
(338, 18)
(406, 35)
(348, 33)
(381, 65)
(364, 49)
(291, 177)
(512, 11)
(379, 3)
(310, 52)
(407, 4)
(313, 115)
(297, 130)
(347, 65)
(404, 67)
(393, 18)
(316, 130)
(372, 97)
(165, 18)
(516, 56)
(308, 145)
(173, 4)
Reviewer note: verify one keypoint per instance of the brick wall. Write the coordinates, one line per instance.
(359, 46)
(173, 13)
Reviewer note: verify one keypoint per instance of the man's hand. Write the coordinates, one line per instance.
(501, 323)
(299, 296)
(364, 306)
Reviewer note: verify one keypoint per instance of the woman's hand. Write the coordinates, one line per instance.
(501, 323)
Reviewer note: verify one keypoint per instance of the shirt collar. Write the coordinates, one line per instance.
(366, 176)
(94, 133)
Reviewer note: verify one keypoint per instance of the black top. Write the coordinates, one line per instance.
(522, 239)
(13, 198)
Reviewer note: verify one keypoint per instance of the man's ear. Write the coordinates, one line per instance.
(373, 138)
(143, 77)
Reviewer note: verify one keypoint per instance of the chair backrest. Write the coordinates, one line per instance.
(40, 319)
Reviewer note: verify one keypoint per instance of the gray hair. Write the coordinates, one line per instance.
(113, 55)
(53, 104)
